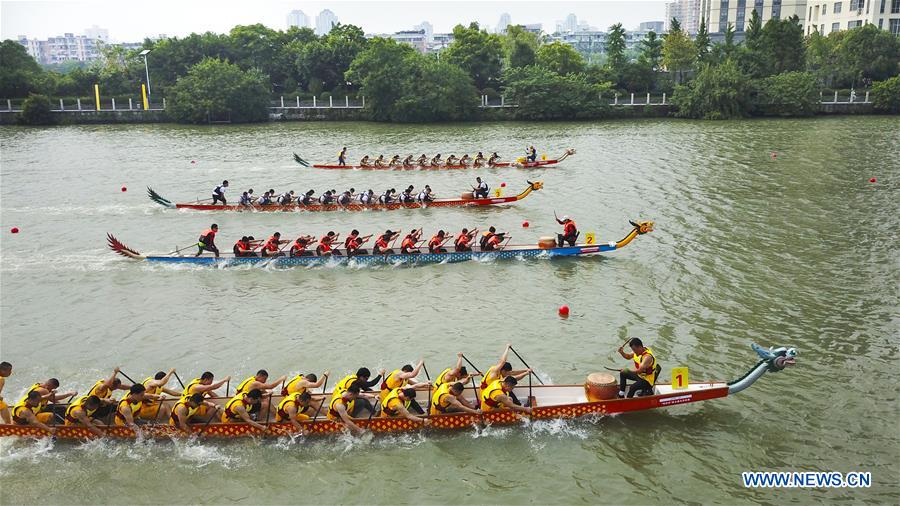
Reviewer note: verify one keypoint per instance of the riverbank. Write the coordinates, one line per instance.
(277, 114)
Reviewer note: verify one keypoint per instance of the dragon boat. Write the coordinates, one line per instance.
(521, 164)
(549, 402)
(542, 250)
(466, 200)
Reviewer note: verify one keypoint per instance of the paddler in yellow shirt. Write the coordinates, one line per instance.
(452, 374)
(157, 386)
(498, 396)
(5, 372)
(186, 409)
(302, 383)
(27, 412)
(501, 370)
(399, 378)
(291, 409)
(260, 382)
(82, 412)
(448, 398)
(397, 404)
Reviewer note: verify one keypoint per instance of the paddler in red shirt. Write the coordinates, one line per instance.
(324, 248)
(298, 249)
(382, 244)
(207, 241)
(436, 242)
(272, 247)
(570, 232)
(464, 239)
(408, 246)
(354, 242)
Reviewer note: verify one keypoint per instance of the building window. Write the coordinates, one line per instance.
(810, 12)
(895, 8)
(895, 27)
(853, 24)
(835, 27)
(881, 23)
(723, 15)
(822, 29)
(824, 9)
(838, 6)
(739, 18)
(776, 9)
(856, 4)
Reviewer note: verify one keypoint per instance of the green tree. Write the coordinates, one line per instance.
(822, 57)
(754, 30)
(377, 70)
(788, 94)
(19, 73)
(678, 53)
(651, 50)
(637, 76)
(214, 90)
(520, 46)
(781, 46)
(36, 111)
(615, 47)
(674, 25)
(702, 43)
(886, 95)
(867, 52)
(329, 58)
(477, 52)
(544, 95)
(434, 90)
(560, 58)
(726, 49)
(718, 92)
(171, 58)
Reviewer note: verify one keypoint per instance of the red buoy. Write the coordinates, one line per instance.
(873, 180)
(193, 161)
(525, 224)
(14, 230)
(502, 185)
(564, 311)
(774, 155)
(124, 189)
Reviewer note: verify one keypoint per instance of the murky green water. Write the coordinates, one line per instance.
(799, 250)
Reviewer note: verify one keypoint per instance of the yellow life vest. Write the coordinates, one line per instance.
(333, 414)
(344, 384)
(34, 387)
(440, 399)
(391, 404)
(490, 394)
(390, 383)
(281, 413)
(17, 412)
(70, 418)
(650, 377)
(135, 410)
(242, 388)
(151, 390)
(94, 389)
(293, 386)
(173, 418)
(442, 377)
(189, 389)
(228, 414)
(490, 376)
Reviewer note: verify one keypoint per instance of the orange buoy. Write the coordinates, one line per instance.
(14, 230)
(564, 311)
(525, 224)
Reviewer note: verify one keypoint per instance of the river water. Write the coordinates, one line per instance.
(795, 249)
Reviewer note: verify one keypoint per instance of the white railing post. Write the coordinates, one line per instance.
(130, 106)
(632, 99)
(282, 101)
(867, 97)
(364, 102)
(821, 98)
(648, 98)
(61, 107)
(502, 100)
(616, 100)
(9, 104)
(346, 101)
(835, 96)
(78, 101)
(114, 103)
(330, 101)
(664, 99)
(164, 102)
(298, 101)
(314, 101)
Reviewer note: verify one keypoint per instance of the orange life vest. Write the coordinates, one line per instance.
(271, 244)
(569, 228)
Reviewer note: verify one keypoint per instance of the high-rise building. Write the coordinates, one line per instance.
(687, 12)
(297, 18)
(415, 38)
(63, 48)
(570, 24)
(504, 23)
(97, 33)
(720, 13)
(426, 26)
(325, 21)
(537, 28)
(652, 26)
(827, 17)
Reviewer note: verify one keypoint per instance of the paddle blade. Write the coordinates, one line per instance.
(155, 197)
(118, 247)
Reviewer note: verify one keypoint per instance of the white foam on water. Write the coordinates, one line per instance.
(198, 453)
(14, 449)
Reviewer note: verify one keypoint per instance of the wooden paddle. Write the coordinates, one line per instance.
(324, 390)
(127, 377)
(179, 379)
(525, 364)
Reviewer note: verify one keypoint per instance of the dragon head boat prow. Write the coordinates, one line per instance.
(536, 185)
(771, 360)
(642, 227)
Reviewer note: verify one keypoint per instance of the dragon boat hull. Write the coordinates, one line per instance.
(393, 259)
(353, 206)
(549, 402)
(499, 165)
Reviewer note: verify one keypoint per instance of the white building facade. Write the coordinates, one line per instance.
(67, 47)
(503, 24)
(415, 38)
(827, 17)
(298, 19)
(720, 13)
(325, 21)
(687, 12)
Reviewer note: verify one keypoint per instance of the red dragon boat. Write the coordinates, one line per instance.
(466, 200)
(521, 164)
(549, 402)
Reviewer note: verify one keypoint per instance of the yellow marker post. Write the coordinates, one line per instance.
(590, 238)
(680, 379)
(144, 96)
(498, 192)
(97, 95)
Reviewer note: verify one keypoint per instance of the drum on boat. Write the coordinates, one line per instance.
(547, 242)
(601, 386)
(467, 196)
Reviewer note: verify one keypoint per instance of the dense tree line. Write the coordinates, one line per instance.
(209, 76)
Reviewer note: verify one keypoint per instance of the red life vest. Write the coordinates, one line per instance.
(463, 240)
(325, 244)
(382, 242)
(352, 243)
(243, 246)
(569, 228)
(208, 234)
(495, 240)
(435, 242)
(271, 244)
(300, 245)
(408, 243)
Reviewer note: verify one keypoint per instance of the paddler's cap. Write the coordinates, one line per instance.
(565, 218)
(330, 233)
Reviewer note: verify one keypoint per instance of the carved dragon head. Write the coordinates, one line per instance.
(642, 227)
(536, 185)
(777, 358)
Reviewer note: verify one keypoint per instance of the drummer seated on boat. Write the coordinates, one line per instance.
(344, 406)
(239, 407)
(479, 160)
(448, 398)
(286, 198)
(398, 403)
(187, 411)
(499, 396)
(207, 241)
(291, 409)
(463, 241)
(28, 412)
(243, 248)
(218, 193)
(425, 195)
(83, 412)
(570, 232)
(409, 244)
(436, 242)
(326, 245)
(272, 247)
(307, 198)
(644, 372)
(298, 248)
(382, 244)
(354, 243)
(481, 189)
(364, 162)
